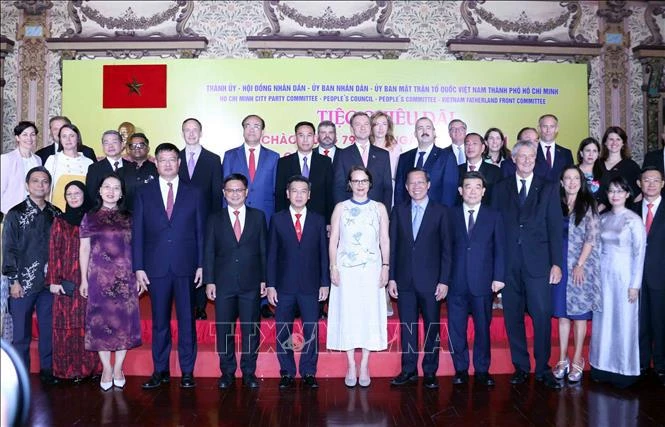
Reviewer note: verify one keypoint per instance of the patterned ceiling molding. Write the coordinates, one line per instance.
(614, 11)
(156, 21)
(33, 7)
(653, 10)
(523, 27)
(294, 18)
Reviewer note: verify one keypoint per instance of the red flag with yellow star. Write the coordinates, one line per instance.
(134, 86)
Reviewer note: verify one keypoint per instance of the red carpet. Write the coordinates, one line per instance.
(331, 363)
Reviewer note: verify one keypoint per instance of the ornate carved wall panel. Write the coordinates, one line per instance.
(9, 24)
(638, 33)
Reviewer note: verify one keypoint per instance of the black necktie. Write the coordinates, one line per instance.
(472, 223)
(523, 192)
(421, 158)
(115, 166)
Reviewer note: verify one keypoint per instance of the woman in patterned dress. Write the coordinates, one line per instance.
(107, 281)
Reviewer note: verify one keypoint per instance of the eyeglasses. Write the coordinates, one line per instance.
(616, 191)
(234, 190)
(359, 181)
(139, 146)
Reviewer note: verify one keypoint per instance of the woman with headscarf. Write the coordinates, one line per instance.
(70, 358)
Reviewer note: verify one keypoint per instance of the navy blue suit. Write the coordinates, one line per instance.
(478, 260)
(320, 177)
(378, 164)
(261, 191)
(207, 177)
(237, 269)
(563, 158)
(534, 239)
(441, 166)
(169, 251)
(418, 265)
(296, 269)
(492, 175)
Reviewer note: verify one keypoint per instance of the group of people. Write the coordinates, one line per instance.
(357, 227)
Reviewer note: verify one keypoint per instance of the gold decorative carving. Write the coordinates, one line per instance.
(33, 7)
(614, 11)
(654, 91)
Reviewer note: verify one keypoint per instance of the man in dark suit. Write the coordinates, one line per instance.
(365, 154)
(474, 147)
(478, 244)
(55, 124)
(312, 165)
(652, 298)
(524, 134)
(656, 158)
(552, 158)
(298, 278)
(167, 253)
(531, 210)
(112, 146)
(457, 132)
(145, 170)
(439, 164)
(235, 275)
(327, 136)
(201, 169)
(420, 262)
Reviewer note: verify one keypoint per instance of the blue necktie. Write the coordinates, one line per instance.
(472, 223)
(523, 192)
(305, 168)
(417, 219)
(421, 159)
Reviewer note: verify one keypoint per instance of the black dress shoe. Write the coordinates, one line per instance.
(47, 378)
(226, 381)
(661, 377)
(266, 312)
(287, 381)
(405, 378)
(549, 381)
(250, 381)
(156, 380)
(200, 314)
(484, 378)
(310, 381)
(461, 377)
(430, 381)
(187, 381)
(519, 377)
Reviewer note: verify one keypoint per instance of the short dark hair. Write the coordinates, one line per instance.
(652, 168)
(358, 114)
(524, 129)
(413, 170)
(23, 125)
(298, 178)
(326, 123)
(482, 140)
(112, 132)
(263, 122)
(548, 115)
(456, 121)
(139, 135)
(473, 175)
(38, 169)
(166, 146)
(356, 168)
(193, 120)
(621, 182)
(236, 177)
(310, 124)
(63, 118)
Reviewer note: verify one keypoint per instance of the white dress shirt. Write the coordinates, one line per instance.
(425, 156)
(309, 160)
(241, 216)
(467, 208)
(164, 188)
(303, 213)
(196, 149)
(475, 165)
(257, 149)
(543, 147)
(654, 208)
(111, 161)
(528, 179)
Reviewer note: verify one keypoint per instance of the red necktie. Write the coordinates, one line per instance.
(298, 227)
(325, 152)
(169, 200)
(236, 225)
(252, 165)
(548, 156)
(649, 220)
(472, 168)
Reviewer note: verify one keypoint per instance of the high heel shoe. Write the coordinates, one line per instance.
(576, 373)
(364, 380)
(106, 386)
(351, 380)
(119, 383)
(561, 369)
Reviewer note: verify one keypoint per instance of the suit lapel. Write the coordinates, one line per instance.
(407, 221)
(431, 159)
(241, 161)
(536, 184)
(157, 196)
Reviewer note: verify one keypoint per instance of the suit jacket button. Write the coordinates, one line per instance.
(237, 261)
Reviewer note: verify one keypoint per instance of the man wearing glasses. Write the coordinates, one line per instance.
(145, 171)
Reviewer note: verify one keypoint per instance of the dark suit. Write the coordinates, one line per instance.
(207, 177)
(534, 238)
(49, 150)
(169, 251)
(320, 177)
(378, 164)
(296, 269)
(652, 297)
(441, 166)
(261, 191)
(478, 260)
(137, 176)
(418, 265)
(98, 171)
(492, 175)
(563, 157)
(237, 268)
